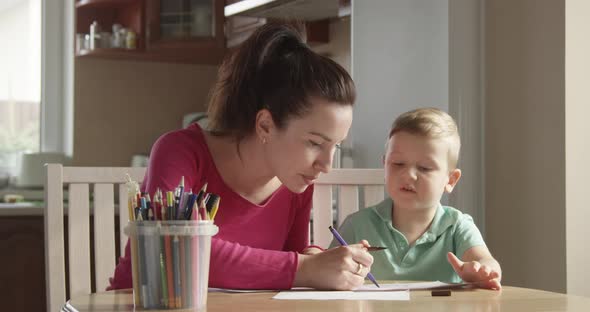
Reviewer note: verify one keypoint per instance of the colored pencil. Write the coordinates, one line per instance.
(343, 243)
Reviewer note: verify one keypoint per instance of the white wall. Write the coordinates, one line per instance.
(466, 103)
(399, 62)
(577, 145)
(525, 134)
(531, 56)
(408, 54)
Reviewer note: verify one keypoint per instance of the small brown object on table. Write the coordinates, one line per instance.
(441, 292)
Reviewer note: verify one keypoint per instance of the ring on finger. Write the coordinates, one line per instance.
(360, 268)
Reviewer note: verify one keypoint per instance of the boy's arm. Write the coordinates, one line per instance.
(477, 265)
(482, 255)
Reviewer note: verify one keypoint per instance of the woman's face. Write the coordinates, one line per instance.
(305, 147)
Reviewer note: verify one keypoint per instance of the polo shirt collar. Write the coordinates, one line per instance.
(441, 222)
(383, 210)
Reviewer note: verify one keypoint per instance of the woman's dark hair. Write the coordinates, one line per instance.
(273, 69)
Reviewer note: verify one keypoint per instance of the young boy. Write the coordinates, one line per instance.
(423, 238)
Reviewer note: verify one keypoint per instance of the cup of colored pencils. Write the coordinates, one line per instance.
(170, 239)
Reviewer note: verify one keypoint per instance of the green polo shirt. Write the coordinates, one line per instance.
(426, 259)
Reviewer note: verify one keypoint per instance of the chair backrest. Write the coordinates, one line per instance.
(353, 188)
(348, 184)
(78, 181)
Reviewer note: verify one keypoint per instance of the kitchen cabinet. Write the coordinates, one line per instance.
(22, 261)
(128, 13)
(22, 264)
(186, 31)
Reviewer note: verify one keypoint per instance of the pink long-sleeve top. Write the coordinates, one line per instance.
(256, 246)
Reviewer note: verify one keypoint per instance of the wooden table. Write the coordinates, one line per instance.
(509, 299)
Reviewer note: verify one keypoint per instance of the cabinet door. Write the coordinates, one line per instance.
(22, 264)
(186, 29)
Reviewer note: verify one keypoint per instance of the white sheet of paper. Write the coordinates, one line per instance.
(343, 295)
(408, 286)
(364, 288)
(239, 291)
(229, 290)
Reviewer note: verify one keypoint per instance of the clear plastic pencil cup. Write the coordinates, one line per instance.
(170, 263)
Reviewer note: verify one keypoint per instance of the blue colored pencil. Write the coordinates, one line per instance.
(343, 243)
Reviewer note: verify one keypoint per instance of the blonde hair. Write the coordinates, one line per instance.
(431, 123)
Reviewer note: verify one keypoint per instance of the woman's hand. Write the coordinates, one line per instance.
(475, 272)
(311, 251)
(340, 268)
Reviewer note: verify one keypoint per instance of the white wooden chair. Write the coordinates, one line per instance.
(347, 184)
(78, 181)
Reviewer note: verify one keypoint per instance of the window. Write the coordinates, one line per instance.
(20, 81)
(36, 80)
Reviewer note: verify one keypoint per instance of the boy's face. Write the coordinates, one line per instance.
(417, 170)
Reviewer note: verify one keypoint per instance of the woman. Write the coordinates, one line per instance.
(277, 113)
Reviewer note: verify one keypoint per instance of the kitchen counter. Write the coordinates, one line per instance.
(22, 209)
(33, 205)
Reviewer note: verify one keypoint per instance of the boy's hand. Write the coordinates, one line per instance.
(473, 271)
